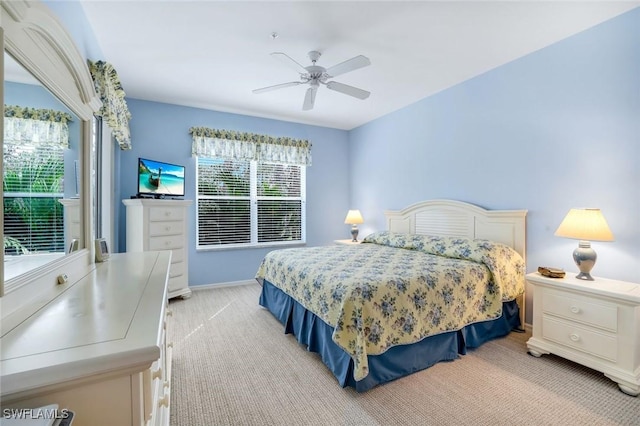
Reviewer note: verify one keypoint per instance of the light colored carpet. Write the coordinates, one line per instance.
(233, 365)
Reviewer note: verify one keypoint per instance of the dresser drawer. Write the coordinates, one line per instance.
(582, 309)
(165, 228)
(166, 243)
(177, 255)
(176, 269)
(157, 214)
(177, 283)
(590, 341)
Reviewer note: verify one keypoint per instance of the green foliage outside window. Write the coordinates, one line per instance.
(32, 185)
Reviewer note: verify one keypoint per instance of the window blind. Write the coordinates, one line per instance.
(279, 203)
(243, 203)
(32, 186)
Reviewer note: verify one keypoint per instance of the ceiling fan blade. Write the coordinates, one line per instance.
(288, 61)
(277, 86)
(348, 90)
(309, 98)
(348, 65)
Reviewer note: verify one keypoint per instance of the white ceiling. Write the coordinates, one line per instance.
(212, 54)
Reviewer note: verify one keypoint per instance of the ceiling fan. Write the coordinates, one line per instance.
(315, 75)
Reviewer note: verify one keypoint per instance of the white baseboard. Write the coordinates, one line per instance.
(219, 285)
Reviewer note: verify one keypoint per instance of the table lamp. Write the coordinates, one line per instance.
(585, 225)
(354, 218)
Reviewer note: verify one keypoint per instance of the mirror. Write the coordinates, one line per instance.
(41, 165)
(35, 38)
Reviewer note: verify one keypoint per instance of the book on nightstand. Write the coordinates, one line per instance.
(550, 272)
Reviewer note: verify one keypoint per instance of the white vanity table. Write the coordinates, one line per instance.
(90, 338)
(98, 348)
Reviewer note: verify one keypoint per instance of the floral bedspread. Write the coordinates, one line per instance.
(396, 289)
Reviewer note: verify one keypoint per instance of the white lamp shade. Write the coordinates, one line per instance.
(353, 218)
(585, 224)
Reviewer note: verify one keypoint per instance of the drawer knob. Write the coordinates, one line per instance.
(168, 228)
(167, 214)
(574, 337)
(164, 401)
(575, 309)
(156, 374)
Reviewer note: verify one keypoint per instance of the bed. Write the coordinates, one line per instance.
(446, 276)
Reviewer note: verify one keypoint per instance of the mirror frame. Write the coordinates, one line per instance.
(35, 38)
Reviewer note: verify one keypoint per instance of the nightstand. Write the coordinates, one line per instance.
(594, 323)
(347, 242)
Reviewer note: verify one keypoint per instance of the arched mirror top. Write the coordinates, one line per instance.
(35, 38)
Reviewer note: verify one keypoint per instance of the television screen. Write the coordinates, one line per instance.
(160, 179)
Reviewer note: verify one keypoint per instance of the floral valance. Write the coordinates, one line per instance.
(229, 144)
(24, 125)
(114, 107)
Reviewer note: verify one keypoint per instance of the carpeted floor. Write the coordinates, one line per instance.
(233, 365)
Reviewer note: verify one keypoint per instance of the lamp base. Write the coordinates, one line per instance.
(585, 257)
(354, 233)
(584, 276)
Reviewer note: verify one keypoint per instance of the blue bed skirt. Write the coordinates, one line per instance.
(396, 362)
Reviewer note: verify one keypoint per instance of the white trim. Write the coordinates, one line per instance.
(221, 285)
(37, 39)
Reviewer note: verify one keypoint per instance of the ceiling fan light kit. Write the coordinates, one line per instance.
(315, 75)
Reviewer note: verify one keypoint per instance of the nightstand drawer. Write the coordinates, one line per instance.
(581, 309)
(589, 341)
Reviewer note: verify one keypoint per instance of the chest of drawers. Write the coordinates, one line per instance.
(594, 323)
(154, 225)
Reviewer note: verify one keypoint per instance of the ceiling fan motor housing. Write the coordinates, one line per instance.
(316, 72)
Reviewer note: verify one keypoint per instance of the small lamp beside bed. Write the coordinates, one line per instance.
(585, 225)
(354, 218)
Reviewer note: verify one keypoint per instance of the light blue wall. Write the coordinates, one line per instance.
(557, 129)
(161, 132)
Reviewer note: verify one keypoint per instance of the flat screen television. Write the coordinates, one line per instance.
(160, 180)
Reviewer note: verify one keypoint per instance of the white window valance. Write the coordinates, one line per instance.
(232, 145)
(114, 107)
(33, 126)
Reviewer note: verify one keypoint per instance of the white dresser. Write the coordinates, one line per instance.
(161, 225)
(594, 323)
(98, 348)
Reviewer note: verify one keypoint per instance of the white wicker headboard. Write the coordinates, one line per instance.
(459, 219)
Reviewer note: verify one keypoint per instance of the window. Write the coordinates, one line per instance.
(246, 203)
(250, 188)
(33, 181)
